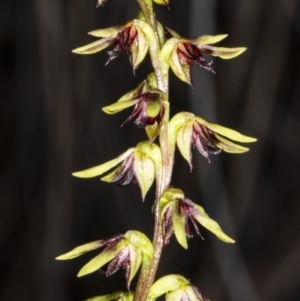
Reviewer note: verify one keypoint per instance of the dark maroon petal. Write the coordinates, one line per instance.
(125, 172)
(167, 226)
(127, 178)
(112, 241)
(187, 228)
(191, 53)
(194, 222)
(136, 110)
(121, 260)
(143, 120)
(198, 293)
(202, 139)
(123, 41)
(188, 209)
(140, 110)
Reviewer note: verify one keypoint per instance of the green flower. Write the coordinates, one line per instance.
(127, 37)
(148, 102)
(190, 132)
(178, 214)
(181, 53)
(139, 165)
(128, 251)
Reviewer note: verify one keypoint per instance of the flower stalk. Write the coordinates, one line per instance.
(149, 162)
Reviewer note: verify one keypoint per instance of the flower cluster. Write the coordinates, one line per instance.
(146, 162)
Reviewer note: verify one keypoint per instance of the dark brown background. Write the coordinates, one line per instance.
(52, 125)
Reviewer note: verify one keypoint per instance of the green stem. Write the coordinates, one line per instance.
(148, 272)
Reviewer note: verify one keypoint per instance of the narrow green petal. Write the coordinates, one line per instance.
(135, 262)
(119, 106)
(94, 47)
(211, 225)
(178, 222)
(148, 36)
(226, 132)
(142, 48)
(144, 170)
(173, 32)
(109, 297)
(184, 138)
(100, 169)
(78, 251)
(206, 39)
(109, 177)
(128, 96)
(110, 31)
(161, 33)
(99, 261)
(223, 52)
(228, 146)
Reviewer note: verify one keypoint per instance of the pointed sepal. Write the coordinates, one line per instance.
(100, 169)
(202, 217)
(94, 47)
(78, 251)
(100, 260)
(118, 296)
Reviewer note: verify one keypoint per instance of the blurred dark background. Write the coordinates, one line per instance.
(52, 125)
